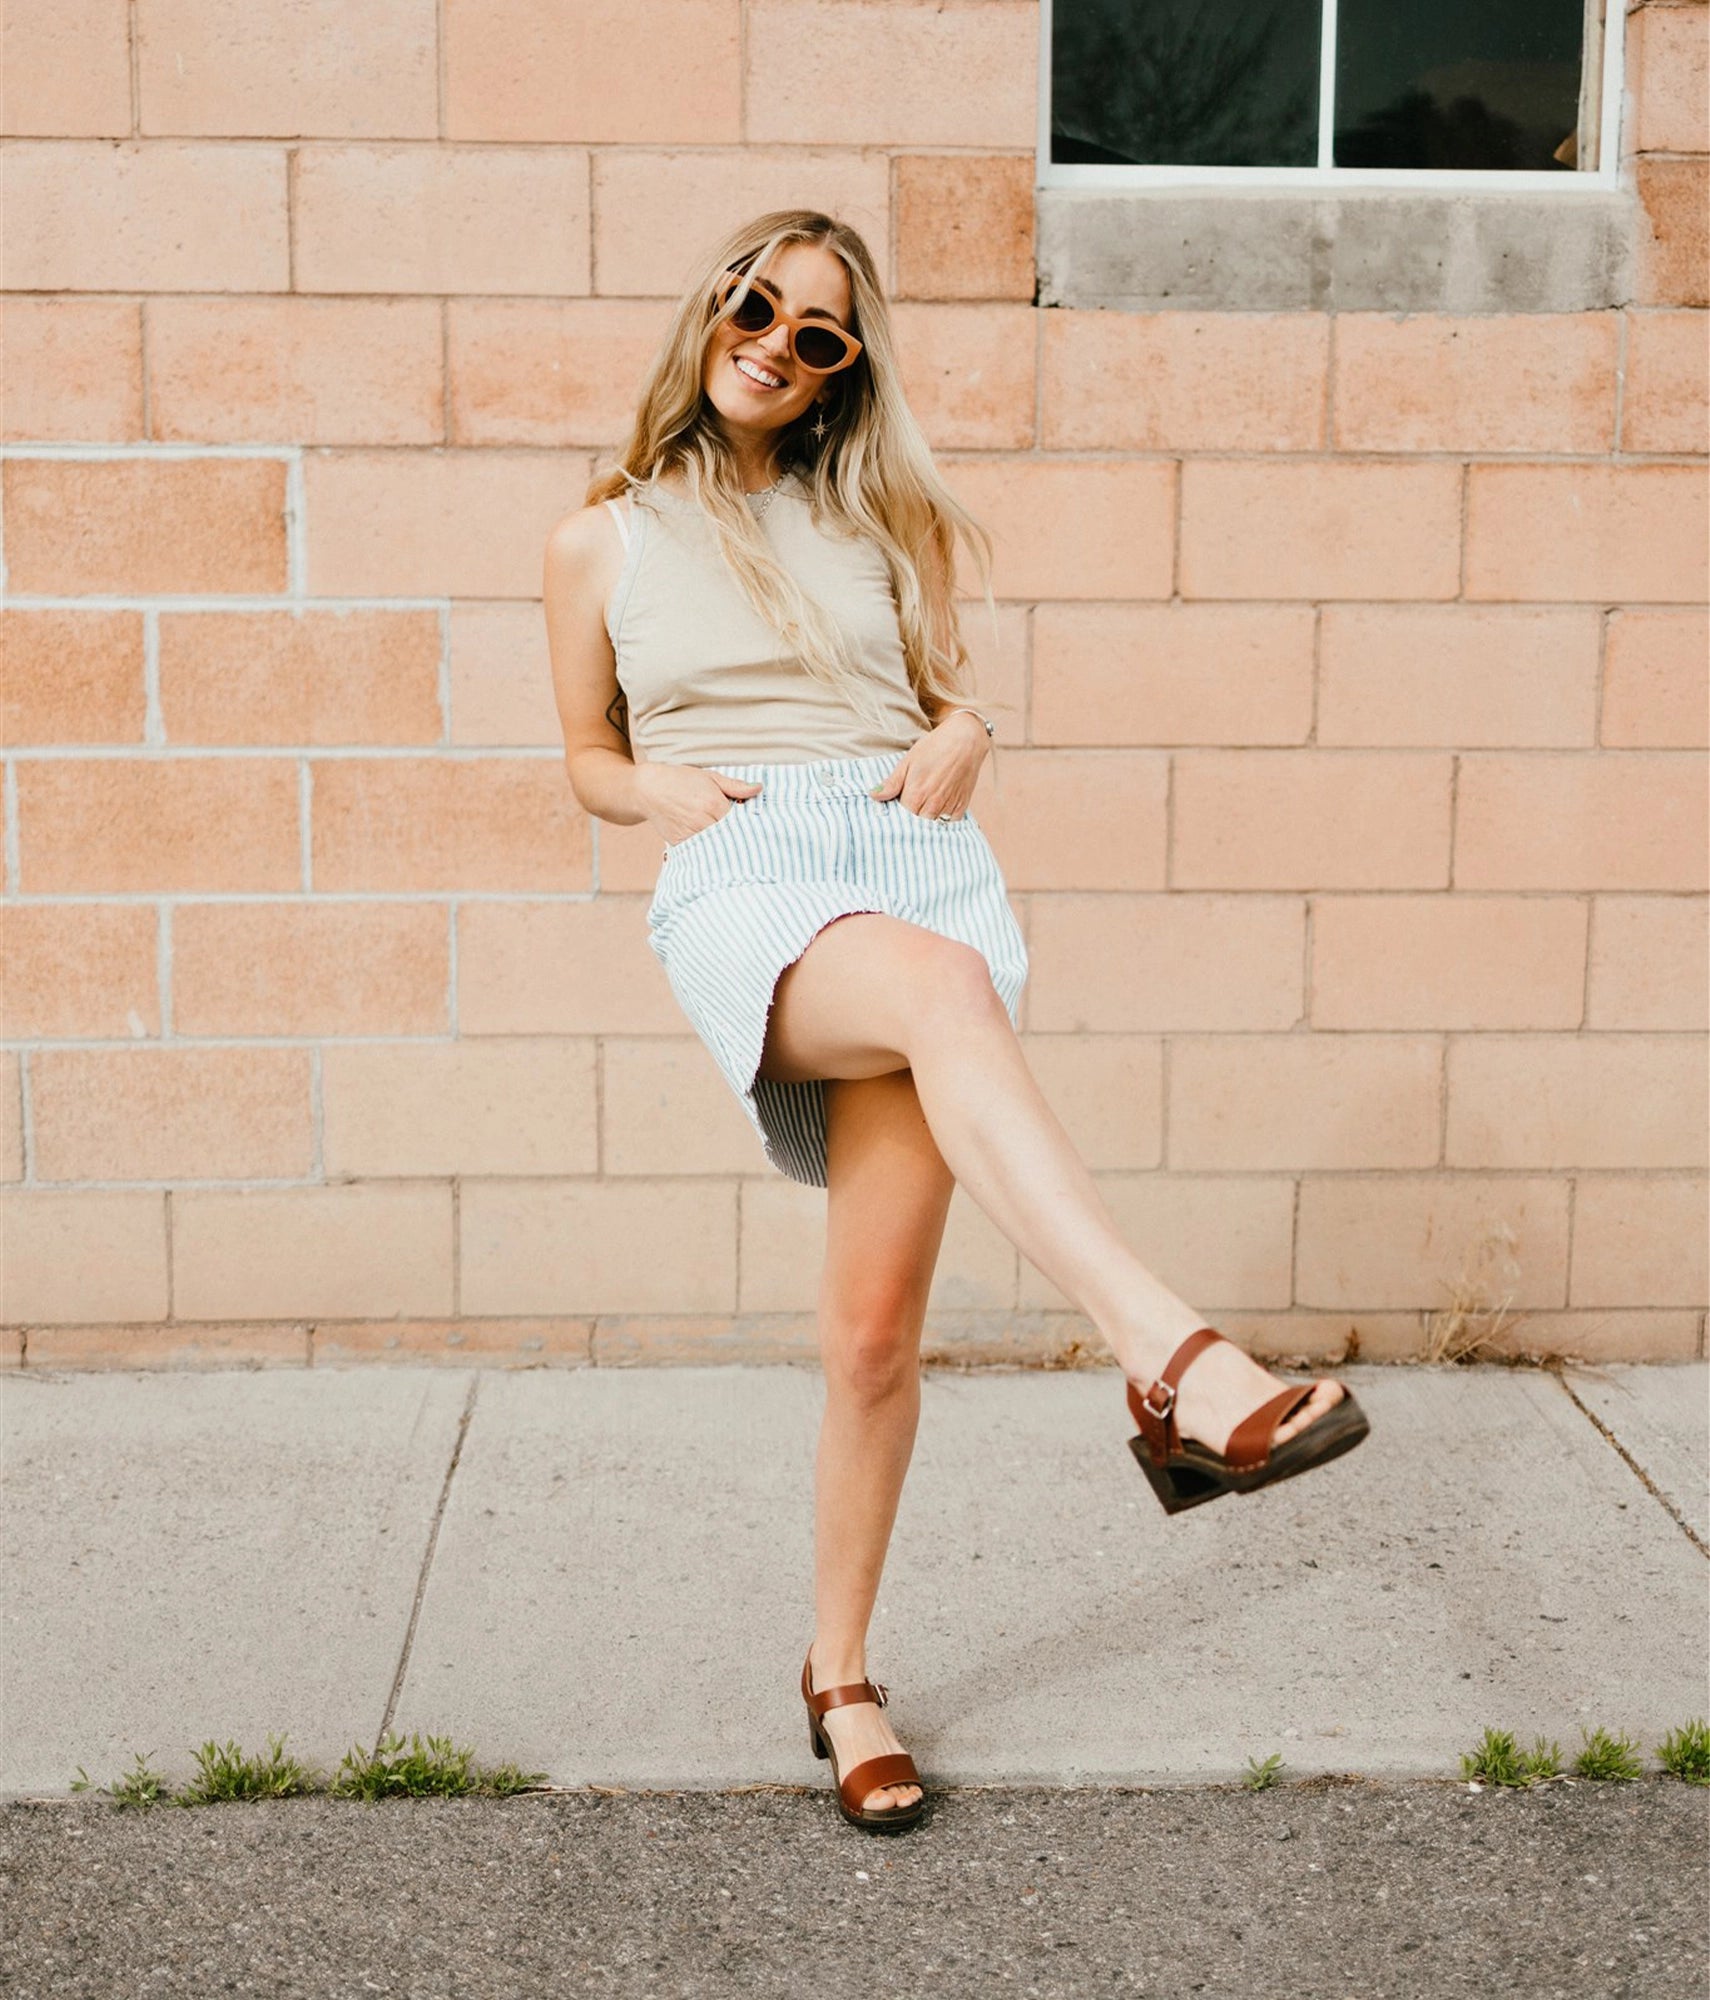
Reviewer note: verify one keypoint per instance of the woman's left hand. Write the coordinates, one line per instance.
(935, 775)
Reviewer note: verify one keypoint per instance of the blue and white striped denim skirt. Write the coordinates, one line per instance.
(739, 901)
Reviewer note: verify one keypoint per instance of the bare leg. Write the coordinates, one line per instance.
(872, 993)
(888, 1197)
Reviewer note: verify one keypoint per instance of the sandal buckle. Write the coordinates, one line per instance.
(1160, 1410)
(881, 1693)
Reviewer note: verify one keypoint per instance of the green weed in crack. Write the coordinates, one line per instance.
(225, 1773)
(1686, 1752)
(1608, 1759)
(1498, 1760)
(1261, 1776)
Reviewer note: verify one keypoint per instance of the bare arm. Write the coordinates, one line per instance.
(932, 570)
(591, 709)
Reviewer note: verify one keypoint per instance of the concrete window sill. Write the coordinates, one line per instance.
(1371, 249)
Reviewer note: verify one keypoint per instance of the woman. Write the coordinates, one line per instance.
(758, 601)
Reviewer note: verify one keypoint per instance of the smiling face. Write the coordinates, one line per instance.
(805, 279)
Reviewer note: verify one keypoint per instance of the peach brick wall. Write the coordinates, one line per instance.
(1350, 667)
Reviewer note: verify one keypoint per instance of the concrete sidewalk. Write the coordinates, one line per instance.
(604, 1574)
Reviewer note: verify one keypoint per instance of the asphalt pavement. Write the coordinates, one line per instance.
(1350, 1890)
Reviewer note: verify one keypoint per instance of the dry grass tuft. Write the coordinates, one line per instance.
(1477, 1323)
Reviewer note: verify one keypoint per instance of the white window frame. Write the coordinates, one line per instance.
(1326, 178)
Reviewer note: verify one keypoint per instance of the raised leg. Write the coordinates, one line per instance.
(888, 1195)
(872, 994)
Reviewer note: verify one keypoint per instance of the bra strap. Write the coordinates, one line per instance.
(622, 524)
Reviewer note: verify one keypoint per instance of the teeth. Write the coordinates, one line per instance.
(750, 368)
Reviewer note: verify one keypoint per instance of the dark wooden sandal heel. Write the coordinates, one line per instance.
(1178, 1487)
(852, 1786)
(1183, 1473)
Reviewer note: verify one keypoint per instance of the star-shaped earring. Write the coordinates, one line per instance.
(819, 427)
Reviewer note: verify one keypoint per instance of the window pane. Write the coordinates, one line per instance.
(1461, 83)
(1226, 83)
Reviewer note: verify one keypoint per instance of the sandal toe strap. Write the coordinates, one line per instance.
(1250, 1441)
(897, 1768)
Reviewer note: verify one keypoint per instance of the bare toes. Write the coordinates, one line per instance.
(890, 1798)
(1325, 1396)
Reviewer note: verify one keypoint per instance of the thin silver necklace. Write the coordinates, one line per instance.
(765, 495)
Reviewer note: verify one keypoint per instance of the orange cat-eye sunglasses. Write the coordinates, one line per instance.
(820, 346)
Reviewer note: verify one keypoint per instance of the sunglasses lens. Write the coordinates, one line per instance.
(820, 346)
(754, 314)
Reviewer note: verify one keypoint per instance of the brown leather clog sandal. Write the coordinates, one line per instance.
(897, 1768)
(1184, 1473)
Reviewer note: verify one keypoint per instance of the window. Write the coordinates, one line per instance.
(1509, 93)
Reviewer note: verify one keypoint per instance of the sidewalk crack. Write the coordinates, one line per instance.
(427, 1560)
(1638, 1471)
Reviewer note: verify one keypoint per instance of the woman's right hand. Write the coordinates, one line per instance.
(681, 799)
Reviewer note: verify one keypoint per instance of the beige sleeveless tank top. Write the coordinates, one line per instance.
(707, 680)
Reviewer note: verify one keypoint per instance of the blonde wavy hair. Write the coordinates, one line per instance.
(872, 474)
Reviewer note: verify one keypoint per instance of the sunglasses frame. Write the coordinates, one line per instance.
(732, 280)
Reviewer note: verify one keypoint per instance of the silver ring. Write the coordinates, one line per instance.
(947, 815)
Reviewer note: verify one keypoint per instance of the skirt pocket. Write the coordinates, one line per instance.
(701, 832)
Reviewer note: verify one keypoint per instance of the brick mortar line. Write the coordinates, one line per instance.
(600, 1166)
(1454, 829)
(1568, 1217)
(408, 1646)
(307, 754)
(14, 852)
(1465, 499)
(296, 529)
(439, 69)
(742, 139)
(27, 1126)
(1300, 1031)
(1606, 614)
(133, 60)
(1198, 1176)
(1623, 351)
(1591, 185)
(1442, 753)
(189, 602)
(1633, 1465)
(457, 1247)
(145, 368)
(1593, 929)
(1377, 457)
(291, 199)
(1315, 679)
(318, 1115)
(1056, 1326)
(164, 940)
(453, 942)
(1308, 968)
(294, 898)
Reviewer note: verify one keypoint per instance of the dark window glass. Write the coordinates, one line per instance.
(1461, 83)
(1204, 83)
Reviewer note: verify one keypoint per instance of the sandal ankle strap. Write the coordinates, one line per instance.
(819, 1700)
(1155, 1410)
(842, 1697)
